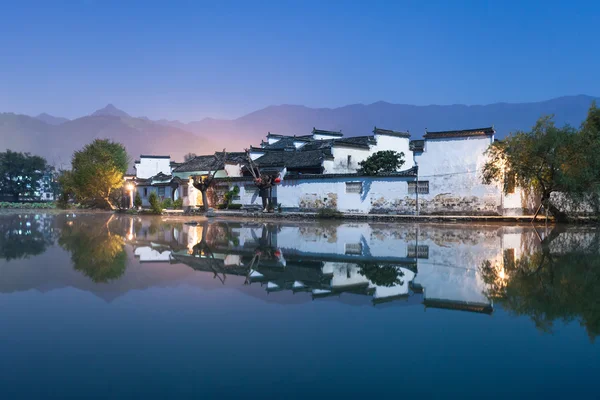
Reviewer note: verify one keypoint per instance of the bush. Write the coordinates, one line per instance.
(167, 203)
(27, 206)
(221, 206)
(178, 204)
(234, 206)
(328, 213)
(137, 202)
(231, 194)
(155, 204)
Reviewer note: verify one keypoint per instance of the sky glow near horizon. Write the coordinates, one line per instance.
(189, 60)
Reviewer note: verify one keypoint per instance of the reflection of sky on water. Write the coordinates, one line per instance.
(307, 323)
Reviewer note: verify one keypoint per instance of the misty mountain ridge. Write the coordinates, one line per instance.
(56, 138)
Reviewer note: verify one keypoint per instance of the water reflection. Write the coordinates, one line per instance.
(96, 250)
(547, 275)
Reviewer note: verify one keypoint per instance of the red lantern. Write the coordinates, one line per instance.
(277, 180)
(277, 253)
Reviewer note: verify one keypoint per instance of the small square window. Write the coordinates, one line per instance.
(161, 191)
(353, 248)
(423, 187)
(354, 187)
(185, 191)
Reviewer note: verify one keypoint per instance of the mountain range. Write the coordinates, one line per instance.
(56, 138)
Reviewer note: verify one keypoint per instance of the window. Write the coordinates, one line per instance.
(184, 191)
(145, 192)
(354, 187)
(349, 160)
(161, 191)
(47, 195)
(423, 187)
(421, 251)
(353, 248)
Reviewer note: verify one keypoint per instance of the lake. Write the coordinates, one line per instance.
(118, 306)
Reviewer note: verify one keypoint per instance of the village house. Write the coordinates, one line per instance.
(441, 174)
(154, 174)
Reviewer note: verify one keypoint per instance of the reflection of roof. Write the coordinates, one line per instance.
(388, 132)
(489, 131)
(459, 305)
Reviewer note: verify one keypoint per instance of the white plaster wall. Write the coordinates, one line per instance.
(148, 167)
(233, 170)
(339, 165)
(398, 144)
(331, 193)
(453, 168)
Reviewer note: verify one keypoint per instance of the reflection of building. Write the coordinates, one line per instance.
(330, 261)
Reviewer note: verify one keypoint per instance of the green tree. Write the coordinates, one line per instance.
(96, 171)
(189, 156)
(137, 202)
(533, 160)
(382, 162)
(549, 159)
(20, 174)
(155, 203)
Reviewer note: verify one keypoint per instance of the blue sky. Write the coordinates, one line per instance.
(192, 59)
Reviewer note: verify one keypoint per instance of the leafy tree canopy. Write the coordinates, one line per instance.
(549, 159)
(381, 162)
(20, 174)
(96, 171)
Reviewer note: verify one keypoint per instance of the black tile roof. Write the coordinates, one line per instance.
(316, 131)
(199, 163)
(489, 131)
(285, 142)
(388, 132)
(293, 159)
(151, 156)
(298, 137)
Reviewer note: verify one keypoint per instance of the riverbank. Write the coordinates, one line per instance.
(384, 217)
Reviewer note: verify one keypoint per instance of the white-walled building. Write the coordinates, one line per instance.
(441, 174)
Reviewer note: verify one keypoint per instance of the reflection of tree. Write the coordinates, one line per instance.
(95, 250)
(382, 275)
(22, 236)
(550, 285)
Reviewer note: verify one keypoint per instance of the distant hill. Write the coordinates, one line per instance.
(57, 142)
(359, 119)
(56, 138)
(51, 119)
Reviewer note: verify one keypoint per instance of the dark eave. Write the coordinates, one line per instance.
(316, 131)
(489, 131)
(150, 156)
(388, 132)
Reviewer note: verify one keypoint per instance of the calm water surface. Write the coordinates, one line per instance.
(103, 306)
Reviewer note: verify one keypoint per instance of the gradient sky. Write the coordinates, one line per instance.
(192, 59)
